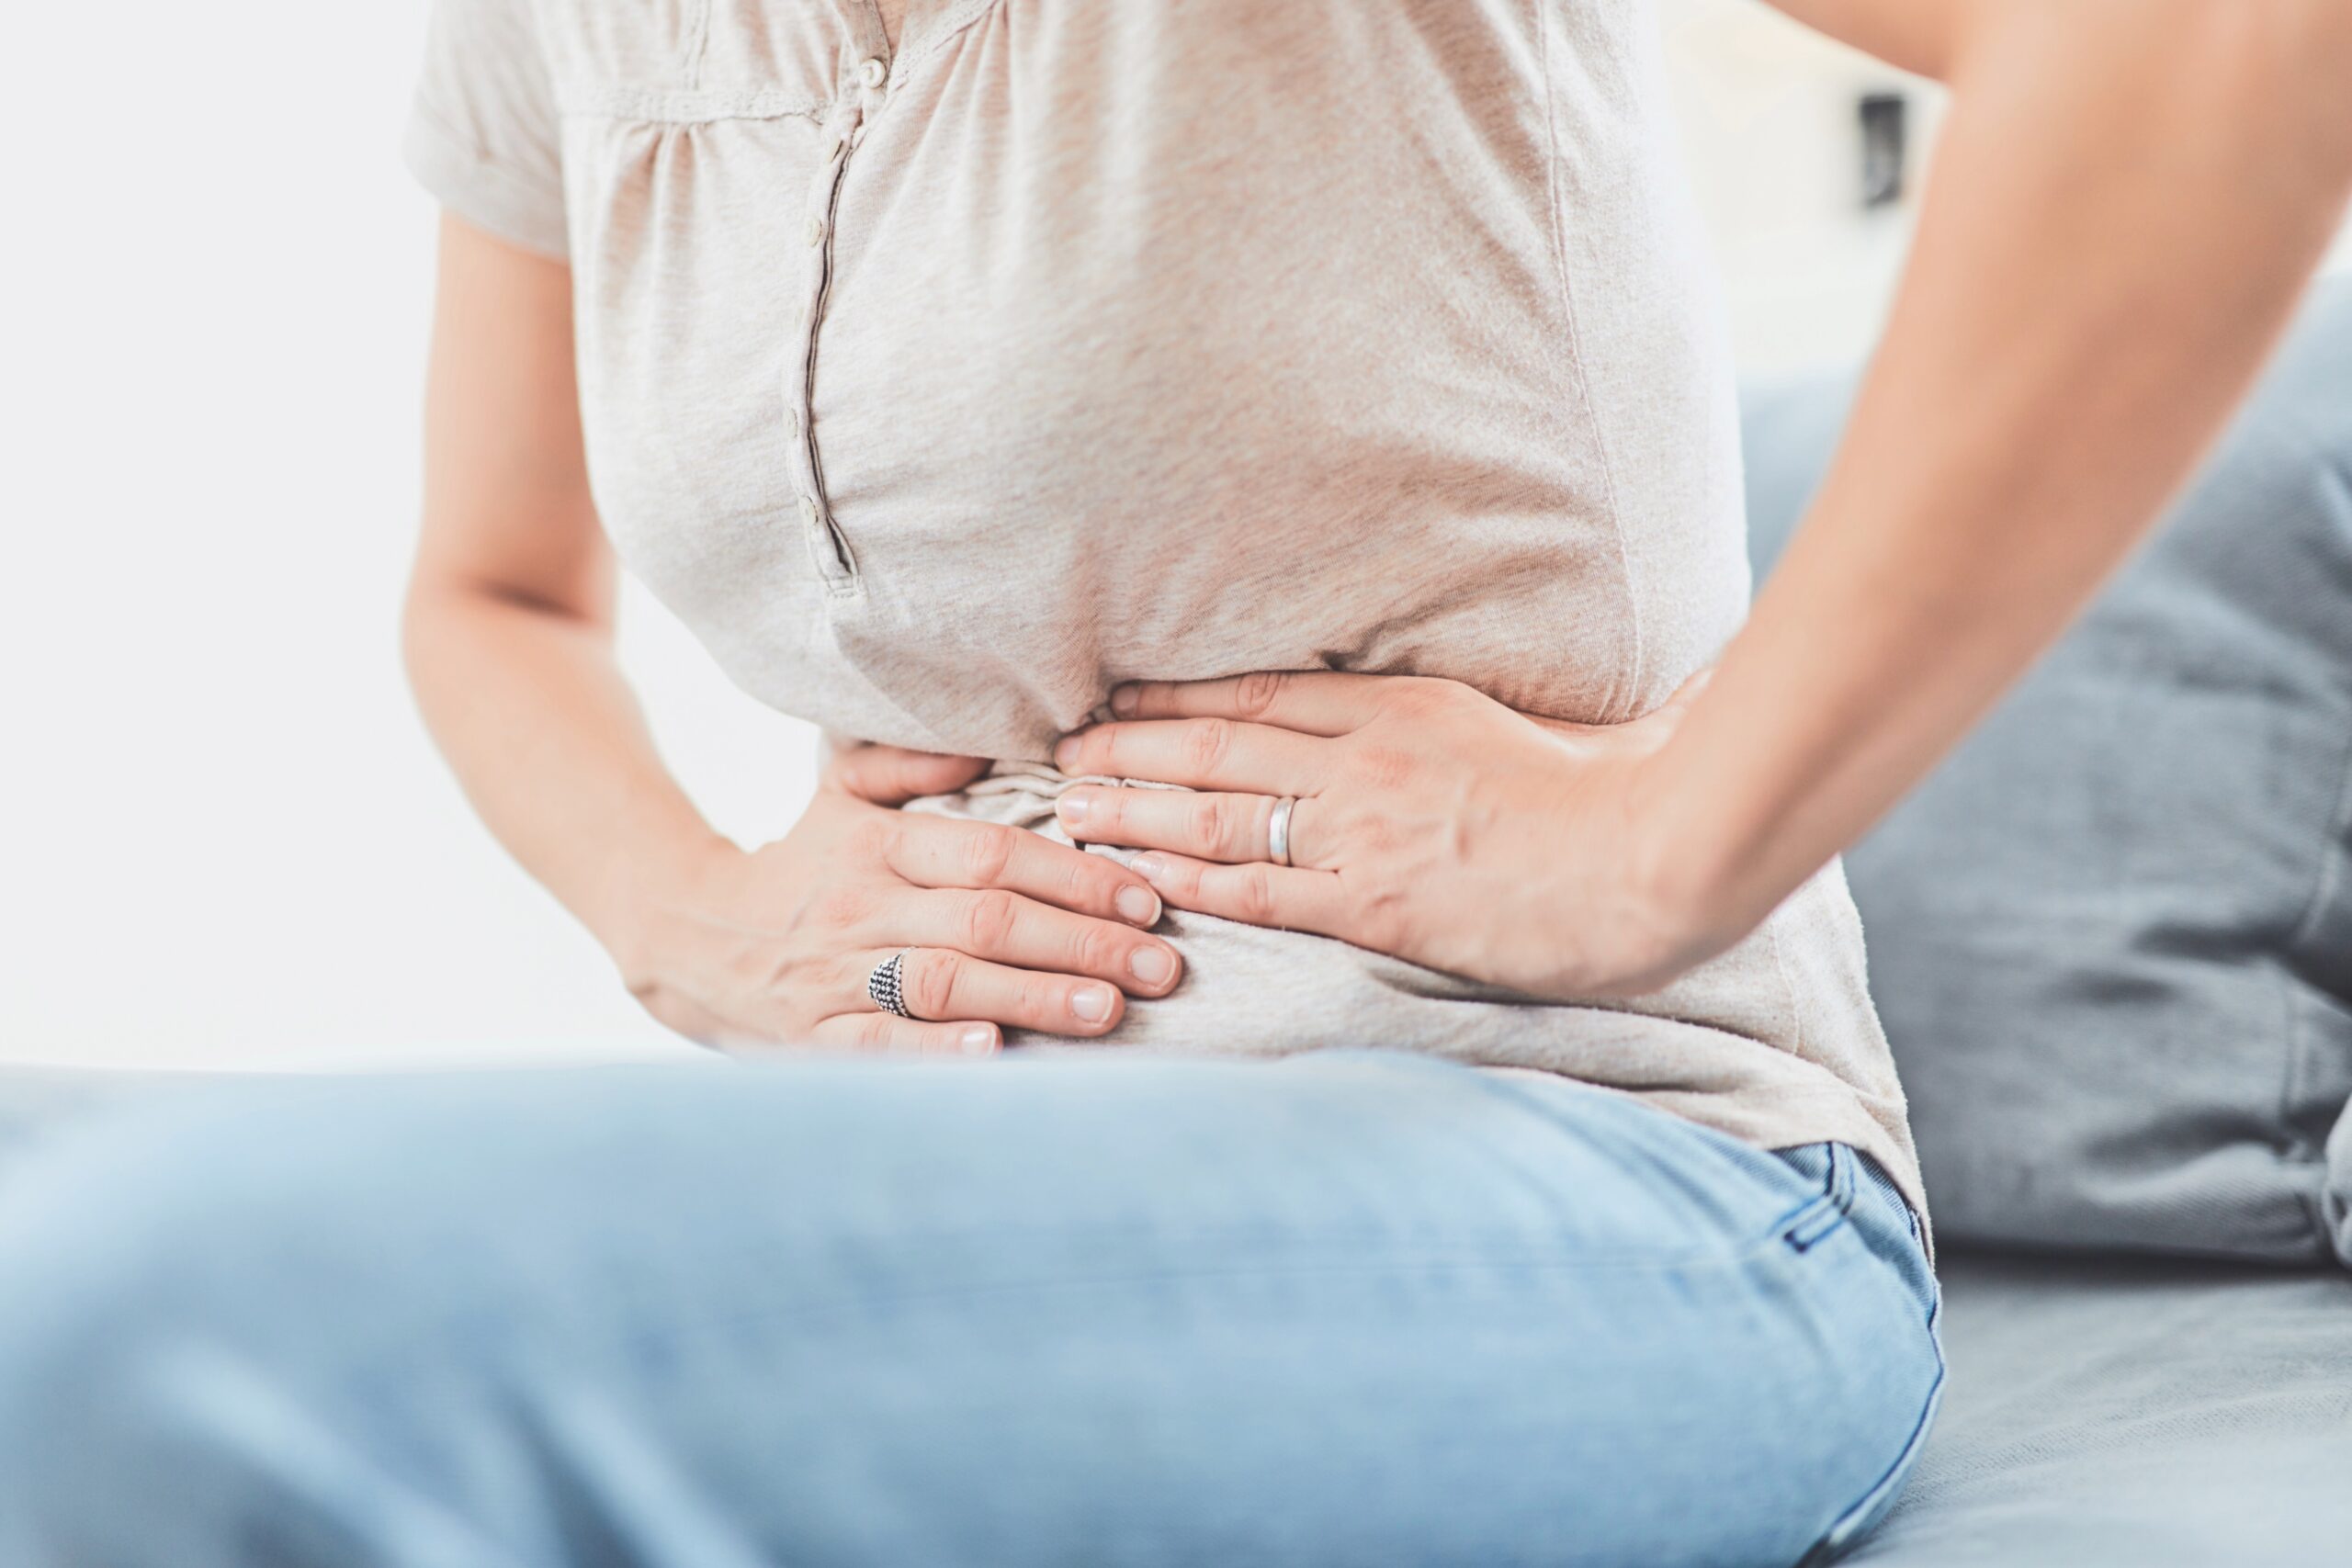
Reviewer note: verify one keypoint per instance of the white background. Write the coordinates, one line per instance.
(224, 838)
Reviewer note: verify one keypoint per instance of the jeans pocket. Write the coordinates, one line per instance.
(1820, 1216)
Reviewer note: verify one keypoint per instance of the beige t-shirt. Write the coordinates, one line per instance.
(939, 389)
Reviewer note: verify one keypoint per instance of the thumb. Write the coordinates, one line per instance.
(891, 775)
(1688, 692)
(1667, 718)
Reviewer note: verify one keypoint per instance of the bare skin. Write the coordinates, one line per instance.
(2092, 291)
(508, 638)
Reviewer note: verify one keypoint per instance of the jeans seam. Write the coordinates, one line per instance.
(1845, 1528)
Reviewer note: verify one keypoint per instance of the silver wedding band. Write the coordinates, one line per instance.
(883, 986)
(1278, 831)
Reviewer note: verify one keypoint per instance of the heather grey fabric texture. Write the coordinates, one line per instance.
(2112, 937)
(938, 390)
(2134, 1414)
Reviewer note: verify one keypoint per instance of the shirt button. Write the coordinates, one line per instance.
(815, 231)
(792, 422)
(809, 509)
(874, 72)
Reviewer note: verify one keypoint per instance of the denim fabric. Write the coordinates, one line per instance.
(1343, 1307)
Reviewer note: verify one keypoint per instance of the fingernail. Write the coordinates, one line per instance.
(1066, 752)
(1091, 1003)
(1150, 867)
(1071, 809)
(1139, 905)
(1152, 965)
(1123, 701)
(977, 1040)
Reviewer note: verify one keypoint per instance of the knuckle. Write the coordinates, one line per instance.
(874, 1032)
(1207, 742)
(931, 985)
(1043, 999)
(1255, 694)
(875, 839)
(1385, 767)
(987, 851)
(1096, 949)
(1079, 877)
(1212, 817)
(1176, 875)
(989, 919)
(1254, 895)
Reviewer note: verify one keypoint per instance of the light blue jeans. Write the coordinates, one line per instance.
(1353, 1307)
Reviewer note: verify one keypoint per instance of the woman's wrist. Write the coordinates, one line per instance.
(645, 889)
(1697, 858)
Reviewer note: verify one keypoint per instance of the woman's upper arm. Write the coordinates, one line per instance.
(1915, 35)
(506, 502)
(1927, 36)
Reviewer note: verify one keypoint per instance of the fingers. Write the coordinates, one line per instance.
(941, 983)
(1205, 753)
(888, 1034)
(1006, 927)
(1314, 702)
(1286, 897)
(937, 853)
(1202, 824)
(892, 775)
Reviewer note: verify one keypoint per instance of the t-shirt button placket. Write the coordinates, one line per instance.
(827, 545)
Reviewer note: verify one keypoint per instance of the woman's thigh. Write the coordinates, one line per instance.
(1351, 1307)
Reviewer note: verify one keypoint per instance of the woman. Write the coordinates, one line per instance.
(1287, 451)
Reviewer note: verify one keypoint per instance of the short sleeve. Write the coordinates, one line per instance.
(482, 134)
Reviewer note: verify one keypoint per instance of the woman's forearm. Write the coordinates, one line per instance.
(2128, 200)
(549, 744)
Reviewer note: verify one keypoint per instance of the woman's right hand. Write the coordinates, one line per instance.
(1001, 927)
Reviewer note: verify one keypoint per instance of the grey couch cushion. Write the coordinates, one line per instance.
(2132, 1413)
(2112, 935)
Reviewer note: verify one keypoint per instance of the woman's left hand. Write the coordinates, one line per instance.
(1431, 822)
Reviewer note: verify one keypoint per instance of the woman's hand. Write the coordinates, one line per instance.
(1001, 927)
(1431, 822)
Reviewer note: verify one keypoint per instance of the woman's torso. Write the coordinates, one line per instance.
(1165, 339)
(1070, 343)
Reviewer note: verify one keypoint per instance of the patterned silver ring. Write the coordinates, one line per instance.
(884, 988)
(1278, 831)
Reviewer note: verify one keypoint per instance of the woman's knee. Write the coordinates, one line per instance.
(170, 1352)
